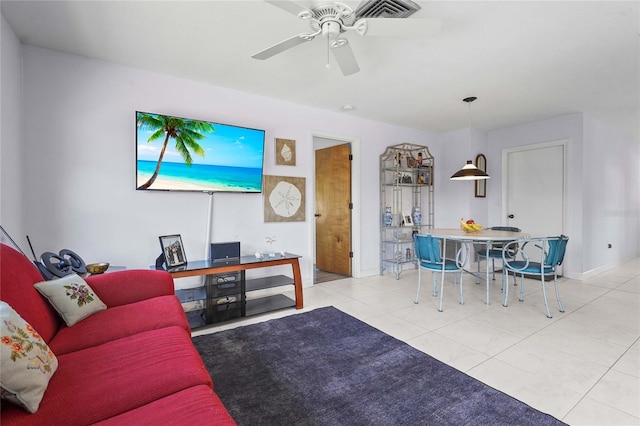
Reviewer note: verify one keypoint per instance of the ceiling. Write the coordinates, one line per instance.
(525, 61)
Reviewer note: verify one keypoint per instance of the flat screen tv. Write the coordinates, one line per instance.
(180, 154)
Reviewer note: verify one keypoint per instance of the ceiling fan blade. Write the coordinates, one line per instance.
(344, 56)
(283, 45)
(288, 6)
(399, 27)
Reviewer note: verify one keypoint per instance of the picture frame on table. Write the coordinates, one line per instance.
(173, 250)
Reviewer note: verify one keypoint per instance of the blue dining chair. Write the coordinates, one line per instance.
(550, 253)
(428, 251)
(495, 251)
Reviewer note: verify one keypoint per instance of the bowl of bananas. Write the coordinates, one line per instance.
(470, 225)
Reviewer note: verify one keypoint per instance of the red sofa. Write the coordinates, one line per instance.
(133, 363)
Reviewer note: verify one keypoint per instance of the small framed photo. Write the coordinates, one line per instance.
(406, 217)
(173, 250)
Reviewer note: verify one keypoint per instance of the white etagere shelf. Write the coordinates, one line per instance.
(406, 203)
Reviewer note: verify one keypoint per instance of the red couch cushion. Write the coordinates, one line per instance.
(97, 383)
(120, 321)
(197, 405)
(131, 285)
(17, 277)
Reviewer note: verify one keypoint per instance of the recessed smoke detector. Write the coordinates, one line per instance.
(386, 9)
(347, 107)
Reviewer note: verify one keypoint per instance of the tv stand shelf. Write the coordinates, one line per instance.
(268, 282)
(224, 295)
(264, 304)
(267, 304)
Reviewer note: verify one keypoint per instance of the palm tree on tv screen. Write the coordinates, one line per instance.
(186, 133)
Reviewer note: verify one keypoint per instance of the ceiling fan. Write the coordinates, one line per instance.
(333, 19)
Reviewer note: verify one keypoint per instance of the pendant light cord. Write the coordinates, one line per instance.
(328, 43)
(468, 101)
(469, 129)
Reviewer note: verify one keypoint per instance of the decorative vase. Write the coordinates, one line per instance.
(417, 216)
(388, 217)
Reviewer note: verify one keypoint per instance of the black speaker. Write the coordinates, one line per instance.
(225, 252)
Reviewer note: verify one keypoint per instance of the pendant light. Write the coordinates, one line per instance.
(469, 171)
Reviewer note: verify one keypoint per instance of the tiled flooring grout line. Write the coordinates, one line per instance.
(608, 370)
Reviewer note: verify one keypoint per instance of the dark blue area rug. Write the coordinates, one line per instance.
(325, 367)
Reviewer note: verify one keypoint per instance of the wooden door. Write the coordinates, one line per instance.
(333, 211)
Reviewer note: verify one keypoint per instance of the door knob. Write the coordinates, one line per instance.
(317, 215)
(511, 216)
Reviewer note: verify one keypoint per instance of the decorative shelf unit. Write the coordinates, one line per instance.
(406, 203)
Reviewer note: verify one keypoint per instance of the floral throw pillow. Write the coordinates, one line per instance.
(26, 362)
(72, 297)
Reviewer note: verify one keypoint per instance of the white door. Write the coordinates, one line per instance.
(535, 188)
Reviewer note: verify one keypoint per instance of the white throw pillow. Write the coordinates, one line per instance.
(72, 297)
(26, 362)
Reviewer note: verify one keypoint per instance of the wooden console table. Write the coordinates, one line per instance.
(244, 263)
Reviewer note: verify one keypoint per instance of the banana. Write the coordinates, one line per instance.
(465, 226)
(470, 227)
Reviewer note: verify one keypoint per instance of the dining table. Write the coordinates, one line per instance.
(486, 237)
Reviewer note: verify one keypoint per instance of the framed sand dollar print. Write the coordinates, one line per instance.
(284, 199)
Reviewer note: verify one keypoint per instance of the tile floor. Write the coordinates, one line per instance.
(582, 366)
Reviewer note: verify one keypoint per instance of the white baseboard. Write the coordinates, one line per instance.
(596, 271)
(368, 273)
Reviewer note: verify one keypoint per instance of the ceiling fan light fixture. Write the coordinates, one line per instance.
(330, 29)
(334, 18)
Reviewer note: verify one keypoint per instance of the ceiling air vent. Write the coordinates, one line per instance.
(386, 9)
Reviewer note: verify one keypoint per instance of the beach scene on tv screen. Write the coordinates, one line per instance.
(187, 155)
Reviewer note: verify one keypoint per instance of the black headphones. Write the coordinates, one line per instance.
(65, 263)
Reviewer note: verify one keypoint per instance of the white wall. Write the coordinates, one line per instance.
(80, 153)
(11, 179)
(602, 165)
(611, 213)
